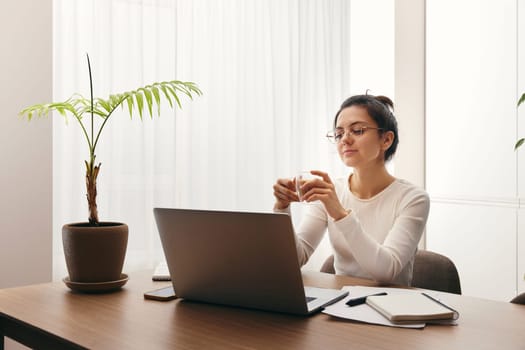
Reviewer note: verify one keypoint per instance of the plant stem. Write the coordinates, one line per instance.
(92, 169)
(91, 96)
(91, 185)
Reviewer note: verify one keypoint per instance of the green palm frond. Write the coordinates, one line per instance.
(148, 96)
(522, 99)
(520, 142)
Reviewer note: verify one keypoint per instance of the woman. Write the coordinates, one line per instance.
(374, 220)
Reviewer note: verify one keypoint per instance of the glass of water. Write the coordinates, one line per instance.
(301, 178)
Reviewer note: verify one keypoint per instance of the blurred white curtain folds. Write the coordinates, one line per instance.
(273, 74)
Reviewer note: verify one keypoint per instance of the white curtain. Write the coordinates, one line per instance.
(273, 73)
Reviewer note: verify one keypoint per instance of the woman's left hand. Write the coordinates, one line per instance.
(322, 189)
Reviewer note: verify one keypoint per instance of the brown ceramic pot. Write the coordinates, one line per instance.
(95, 253)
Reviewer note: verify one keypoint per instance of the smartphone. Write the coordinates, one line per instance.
(162, 294)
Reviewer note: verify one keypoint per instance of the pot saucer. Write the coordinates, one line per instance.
(96, 287)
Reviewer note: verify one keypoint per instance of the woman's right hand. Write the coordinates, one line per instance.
(284, 192)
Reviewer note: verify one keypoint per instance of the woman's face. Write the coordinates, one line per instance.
(361, 143)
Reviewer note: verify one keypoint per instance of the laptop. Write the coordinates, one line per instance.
(242, 259)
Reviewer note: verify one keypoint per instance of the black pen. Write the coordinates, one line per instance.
(361, 300)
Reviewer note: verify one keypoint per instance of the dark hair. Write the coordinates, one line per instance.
(380, 108)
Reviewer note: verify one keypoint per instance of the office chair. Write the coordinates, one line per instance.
(519, 299)
(435, 271)
(328, 265)
(431, 271)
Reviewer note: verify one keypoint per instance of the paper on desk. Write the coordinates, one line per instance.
(367, 314)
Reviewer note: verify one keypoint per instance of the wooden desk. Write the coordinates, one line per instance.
(50, 316)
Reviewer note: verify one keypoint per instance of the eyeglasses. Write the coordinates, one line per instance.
(356, 131)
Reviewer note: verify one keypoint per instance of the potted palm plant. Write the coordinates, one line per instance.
(95, 250)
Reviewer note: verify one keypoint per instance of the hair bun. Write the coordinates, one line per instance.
(386, 101)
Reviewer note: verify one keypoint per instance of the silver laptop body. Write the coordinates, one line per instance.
(237, 258)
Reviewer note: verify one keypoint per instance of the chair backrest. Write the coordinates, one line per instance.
(328, 265)
(431, 271)
(519, 299)
(435, 271)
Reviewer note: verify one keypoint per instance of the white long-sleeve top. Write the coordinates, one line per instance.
(377, 240)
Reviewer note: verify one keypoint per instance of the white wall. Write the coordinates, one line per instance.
(409, 96)
(520, 242)
(409, 99)
(26, 158)
(472, 82)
